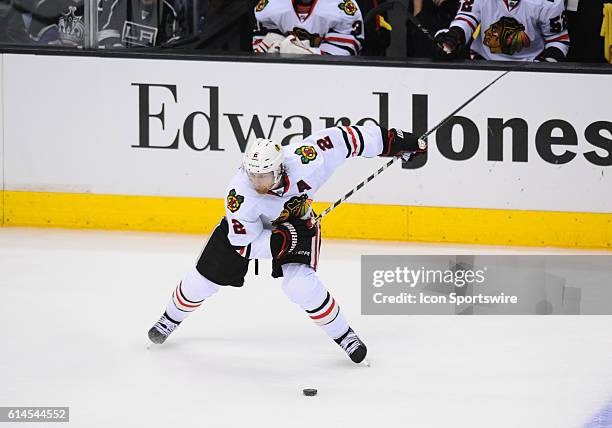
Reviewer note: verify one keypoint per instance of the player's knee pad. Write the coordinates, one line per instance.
(302, 286)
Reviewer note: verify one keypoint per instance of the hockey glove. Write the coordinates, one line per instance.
(291, 236)
(293, 45)
(448, 43)
(550, 54)
(269, 44)
(401, 143)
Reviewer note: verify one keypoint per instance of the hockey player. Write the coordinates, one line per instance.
(510, 30)
(268, 216)
(332, 27)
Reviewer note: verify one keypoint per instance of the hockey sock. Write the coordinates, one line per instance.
(189, 295)
(329, 317)
(303, 287)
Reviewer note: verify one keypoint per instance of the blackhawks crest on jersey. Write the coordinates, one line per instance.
(234, 201)
(306, 153)
(506, 36)
(261, 5)
(348, 7)
(296, 207)
(314, 39)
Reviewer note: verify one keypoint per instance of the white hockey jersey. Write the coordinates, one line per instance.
(333, 27)
(513, 30)
(308, 164)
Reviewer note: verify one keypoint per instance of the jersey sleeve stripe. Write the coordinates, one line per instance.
(346, 40)
(564, 37)
(353, 140)
(361, 143)
(346, 141)
(472, 26)
(340, 47)
(467, 15)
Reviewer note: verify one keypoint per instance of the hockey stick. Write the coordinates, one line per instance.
(425, 31)
(422, 137)
(417, 24)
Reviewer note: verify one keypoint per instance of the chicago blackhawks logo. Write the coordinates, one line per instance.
(296, 207)
(506, 36)
(307, 153)
(314, 39)
(261, 5)
(234, 201)
(348, 7)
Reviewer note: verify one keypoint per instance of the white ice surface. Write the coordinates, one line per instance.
(75, 307)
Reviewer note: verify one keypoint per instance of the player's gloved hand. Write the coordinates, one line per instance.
(448, 43)
(269, 44)
(293, 45)
(402, 143)
(550, 54)
(286, 236)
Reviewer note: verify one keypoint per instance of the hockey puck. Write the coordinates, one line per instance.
(309, 392)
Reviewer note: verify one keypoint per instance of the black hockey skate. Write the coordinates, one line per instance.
(162, 329)
(353, 346)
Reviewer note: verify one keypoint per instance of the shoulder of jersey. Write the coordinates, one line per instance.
(549, 4)
(239, 195)
(543, 4)
(267, 8)
(304, 153)
(338, 9)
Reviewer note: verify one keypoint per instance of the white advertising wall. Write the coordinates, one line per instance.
(174, 128)
(1, 132)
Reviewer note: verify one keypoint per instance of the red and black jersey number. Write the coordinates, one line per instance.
(238, 227)
(467, 5)
(325, 143)
(558, 23)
